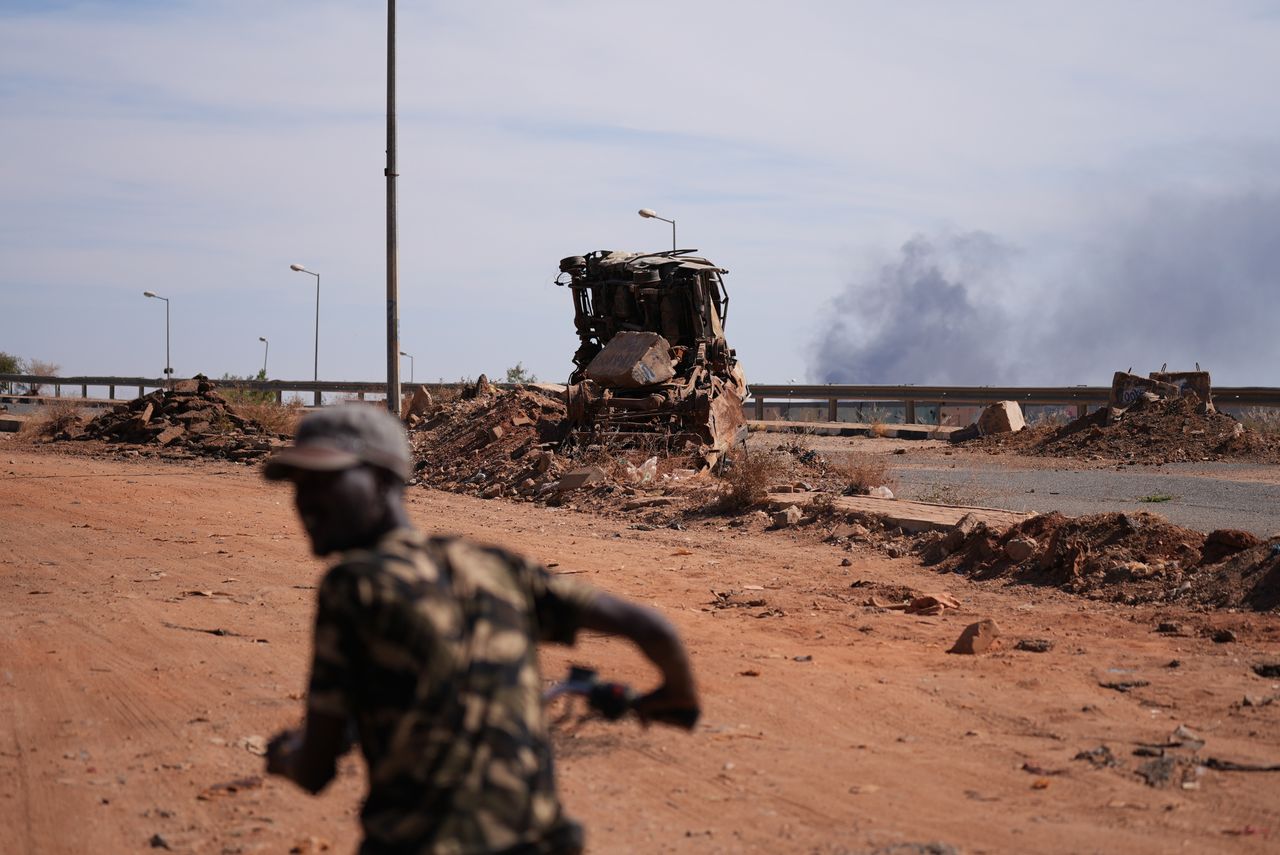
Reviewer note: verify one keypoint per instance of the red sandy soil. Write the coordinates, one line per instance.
(829, 726)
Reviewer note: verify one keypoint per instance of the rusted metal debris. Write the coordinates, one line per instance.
(653, 360)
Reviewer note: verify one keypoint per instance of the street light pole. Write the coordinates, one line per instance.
(316, 368)
(393, 268)
(266, 348)
(410, 355)
(648, 214)
(168, 369)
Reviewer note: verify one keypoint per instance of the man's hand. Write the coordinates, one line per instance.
(282, 753)
(671, 705)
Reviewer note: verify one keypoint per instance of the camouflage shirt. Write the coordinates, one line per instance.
(429, 645)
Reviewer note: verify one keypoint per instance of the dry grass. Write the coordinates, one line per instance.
(277, 418)
(749, 475)
(53, 418)
(1261, 419)
(858, 473)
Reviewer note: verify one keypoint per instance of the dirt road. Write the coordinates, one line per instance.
(154, 629)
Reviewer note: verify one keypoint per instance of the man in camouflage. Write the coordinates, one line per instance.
(428, 647)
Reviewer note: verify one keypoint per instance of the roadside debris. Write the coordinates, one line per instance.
(1131, 558)
(1167, 417)
(193, 417)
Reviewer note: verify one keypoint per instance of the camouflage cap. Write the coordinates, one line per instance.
(341, 437)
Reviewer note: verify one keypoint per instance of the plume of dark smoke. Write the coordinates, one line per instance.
(1180, 279)
(921, 319)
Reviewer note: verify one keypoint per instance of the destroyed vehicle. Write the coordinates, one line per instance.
(653, 360)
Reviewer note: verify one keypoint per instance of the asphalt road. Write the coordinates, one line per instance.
(1202, 496)
(1193, 500)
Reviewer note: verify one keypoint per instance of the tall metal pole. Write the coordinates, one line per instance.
(168, 367)
(393, 273)
(315, 370)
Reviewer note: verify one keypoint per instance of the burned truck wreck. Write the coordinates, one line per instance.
(653, 362)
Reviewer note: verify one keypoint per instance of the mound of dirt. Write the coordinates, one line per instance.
(1131, 558)
(193, 417)
(1159, 432)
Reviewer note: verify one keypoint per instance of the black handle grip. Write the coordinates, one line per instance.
(611, 700)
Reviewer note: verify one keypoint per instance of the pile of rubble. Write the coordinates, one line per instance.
(1153, 432)
(191, 417)
(490, 442)
(516, 444)
(1166, 417)
(1130, 558)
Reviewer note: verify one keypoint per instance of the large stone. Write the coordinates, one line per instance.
(576, 479)
(787, 517)
(1020, 548)
(170, 434)
(976, 638)
(1001, 417)
(633, 360)
(418, 404)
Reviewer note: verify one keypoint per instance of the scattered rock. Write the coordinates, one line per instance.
(1124, 685)
(158, 842)
(1269, 670)
(787, 517)
(576, 479)
(1020, 548)
(1034, 645)
(1223, 636)
(1100, 757)
(976, 638)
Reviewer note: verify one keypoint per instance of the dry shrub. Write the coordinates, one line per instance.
(1261, 419)
(53, 418)
(277, 418)
(858, 473)
(878, 429)
(748, 477)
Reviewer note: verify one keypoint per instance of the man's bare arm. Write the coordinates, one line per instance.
(657, 639)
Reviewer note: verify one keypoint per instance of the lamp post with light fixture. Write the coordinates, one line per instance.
(648, 214)
(168, 370)
(410, 355)
(266, 348)
(316, 367)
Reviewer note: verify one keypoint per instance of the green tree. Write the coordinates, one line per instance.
(9, 364)
(246, 396)
(518, 374)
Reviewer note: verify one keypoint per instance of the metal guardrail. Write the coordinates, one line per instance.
(910, 396)
(142, 384)
(1079, 396)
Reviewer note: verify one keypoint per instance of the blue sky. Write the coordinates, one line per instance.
(1123, 159)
